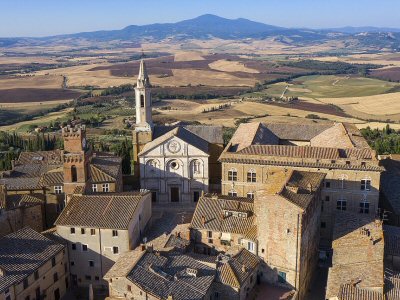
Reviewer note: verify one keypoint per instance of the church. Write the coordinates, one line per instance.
(175, 162)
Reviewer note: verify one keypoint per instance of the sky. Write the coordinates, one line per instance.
(51, 17)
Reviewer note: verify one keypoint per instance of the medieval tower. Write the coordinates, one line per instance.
(76, 159)
(144, 122)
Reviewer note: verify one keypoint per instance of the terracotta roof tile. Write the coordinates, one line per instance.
(23, 252)
(114, 211)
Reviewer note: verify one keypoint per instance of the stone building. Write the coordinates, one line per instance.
(32, 267)
(98, 229)
(288, 217)
(358, 258)
(281, 225)
(338, 150)
(175, 162)
(153, 274)
(19, 211)
(56, 174)
(221, 223)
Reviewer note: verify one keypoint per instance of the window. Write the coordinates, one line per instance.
(250, 195)
(115, 250)
(366, 184)
(55, 277)
(196, 167)
(106, 188)
(328, 184)
(347, 162)
(364, 207)
(341, 204)
(58, 189)
(154, 196)
(88, 277)
(196, 196)
(8, 297)
(36, 275)
(84, 247)
(323, 225)
(141, 100)
(25, 283)
(94, 188)
(53, 262)
(91, 263)
(363, 164)
(129, 288)
(209, 234)
(72, 230)
(74, 174)
(83, 231)
(232, 193)
(327, 198)
(281, 277)
(232, 175)
(343, 178)
(115, 233)
(73, 246)
(97, 278)
(27, 298)
(251, 176)
(72, 263)
(92, 231)
(250, 246)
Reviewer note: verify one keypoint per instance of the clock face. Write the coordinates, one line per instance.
(174, 146)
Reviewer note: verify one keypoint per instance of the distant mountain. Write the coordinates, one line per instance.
(355, 30)
(208, 26)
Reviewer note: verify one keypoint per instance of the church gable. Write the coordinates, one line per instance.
(178, 141)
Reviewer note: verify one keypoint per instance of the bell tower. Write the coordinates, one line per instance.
(144, 121)
(143, 132)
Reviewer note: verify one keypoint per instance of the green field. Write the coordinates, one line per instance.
(330, 86)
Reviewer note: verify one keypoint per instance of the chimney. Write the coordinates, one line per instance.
(243, 268)
(203, 220)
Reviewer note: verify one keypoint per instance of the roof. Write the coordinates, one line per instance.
(124, 264)
(20, 200)
(171, 274)
(358, 253)
(36, 170)
(23, 252)
(113, 211)
(209, 133)
(327, 144)
(105, 167)
(177, 242)
(212, 209)
(235, 271)
(298, 187)
(181, 133)
(352, 292)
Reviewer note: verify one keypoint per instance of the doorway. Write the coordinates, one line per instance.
(174, 193)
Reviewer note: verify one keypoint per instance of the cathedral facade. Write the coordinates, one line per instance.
(178, 162)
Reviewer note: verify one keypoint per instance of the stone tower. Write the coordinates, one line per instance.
(144, 123)
(76, 159)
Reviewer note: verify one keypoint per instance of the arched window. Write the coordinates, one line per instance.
(232, 175)
(74, 174)
(141, 100)
(195, 167)
(251, 176)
